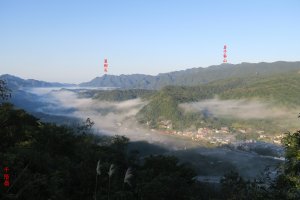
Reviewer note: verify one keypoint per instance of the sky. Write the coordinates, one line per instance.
(67, 40)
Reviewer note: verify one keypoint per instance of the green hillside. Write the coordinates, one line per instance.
(116, 95)
(281, 90)
(164, 104)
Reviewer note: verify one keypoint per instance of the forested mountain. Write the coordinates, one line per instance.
(279, 90)
(122, 81)
(189, 77)
(193, 76)
(282, 89)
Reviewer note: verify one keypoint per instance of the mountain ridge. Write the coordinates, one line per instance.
(15, 82)
(192, 76)
(187, 77)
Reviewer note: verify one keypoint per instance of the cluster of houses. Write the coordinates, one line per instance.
(275, 139)
(214, 136)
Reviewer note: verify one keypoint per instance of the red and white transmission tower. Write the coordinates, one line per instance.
(225, 54)
(105, 65)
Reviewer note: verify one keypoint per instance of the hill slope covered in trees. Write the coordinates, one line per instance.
(280, 91)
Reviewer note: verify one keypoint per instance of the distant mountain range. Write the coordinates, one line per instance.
(194, 76)
(189, 77)
(14, 82)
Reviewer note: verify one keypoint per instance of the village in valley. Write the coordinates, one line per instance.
(219, 136)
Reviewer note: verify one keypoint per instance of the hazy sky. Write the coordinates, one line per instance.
(67, 40)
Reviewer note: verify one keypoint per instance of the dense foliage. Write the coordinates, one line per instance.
(289, 181)
(55, 162)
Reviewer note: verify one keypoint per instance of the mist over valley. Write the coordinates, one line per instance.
(70, 106)
(222, 126)
(225, 124)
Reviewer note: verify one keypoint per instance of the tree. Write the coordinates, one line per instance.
(4, 91)
(163, 177)
(233, 186)
(291, 177)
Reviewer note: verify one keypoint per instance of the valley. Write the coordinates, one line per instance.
(227, 125)
(214, 126)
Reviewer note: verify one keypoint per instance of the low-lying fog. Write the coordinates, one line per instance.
(118, 118)
(110, 118)
(244, 109)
